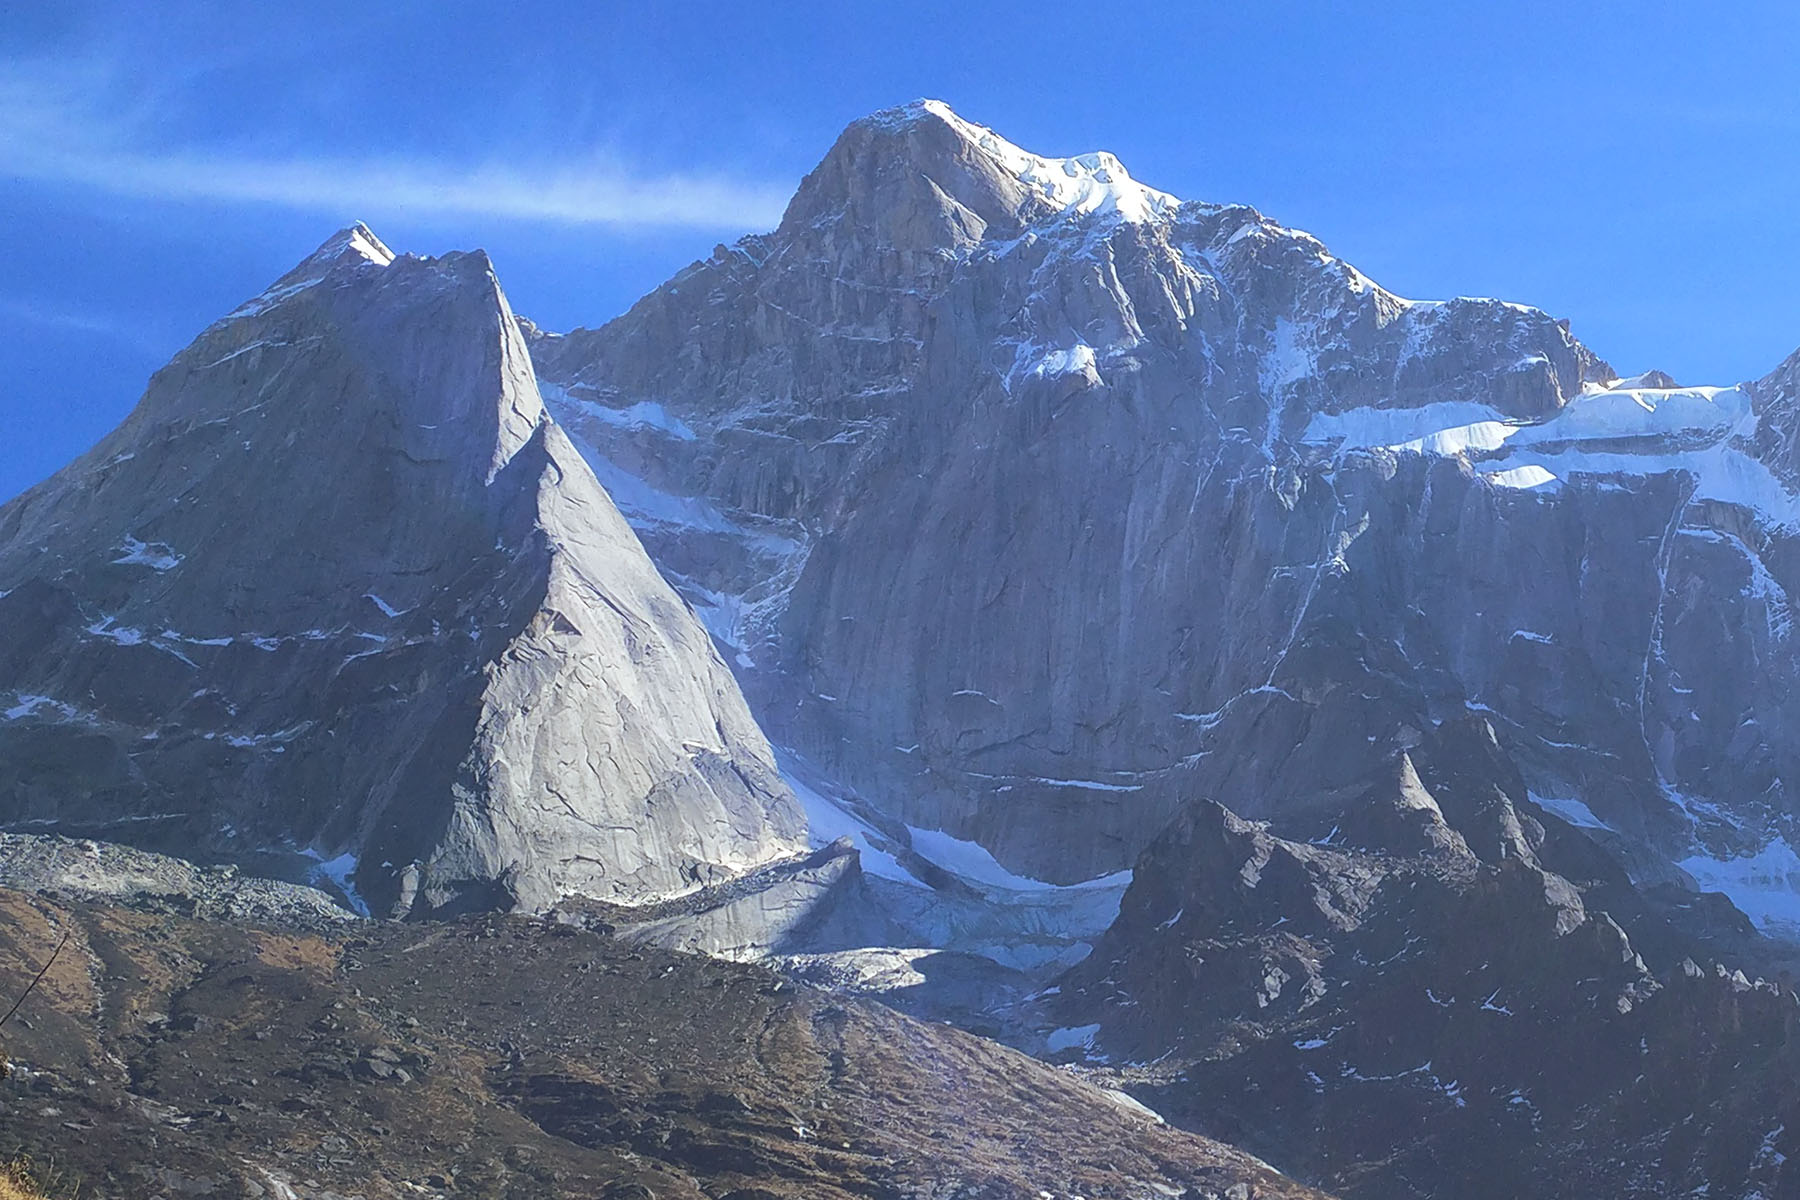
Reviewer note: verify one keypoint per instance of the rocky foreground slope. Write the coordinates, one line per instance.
(171, 1055)
(340, 588)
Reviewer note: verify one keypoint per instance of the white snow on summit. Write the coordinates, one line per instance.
(1086, 183)
(357, 240)
(361, 238)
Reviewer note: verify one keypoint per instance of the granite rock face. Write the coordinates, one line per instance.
(1032, 501)
(1776, 437)
(340, 586)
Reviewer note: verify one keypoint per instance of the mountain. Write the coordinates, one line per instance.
(1327, 717)
(1415, 668)
(1032, 502)
(339, 587)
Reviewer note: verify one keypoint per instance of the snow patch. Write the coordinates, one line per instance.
(1087, 785)
(29, 704)
(1075, 360)
(1071, 1037)
(123, 635)
(973, 862)
(1376, 428)
(1613, 433)
(1461, 439)
(826, 823)
(1631, 413)
(338, 872)
(258, 344)
(1571, 810)
(155, 555)
(1130, 1103)
(387, 610)
(1288, 360)
(645, 414)
(1523, 479)
(1764, 885)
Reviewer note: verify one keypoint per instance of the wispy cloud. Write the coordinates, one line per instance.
(60, 127)
(593, 196)
(53, 315)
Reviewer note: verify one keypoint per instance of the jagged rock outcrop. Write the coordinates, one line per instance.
(806, 904)
(1390, 1014)
(339, 585)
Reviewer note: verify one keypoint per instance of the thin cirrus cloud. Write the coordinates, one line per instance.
(50, 315)
(51, 133)
(597, 196)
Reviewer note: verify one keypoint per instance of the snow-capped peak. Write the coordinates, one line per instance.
(1086, 183)
(359, 239)
(355, 242)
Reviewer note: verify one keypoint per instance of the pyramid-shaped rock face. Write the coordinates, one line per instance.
(339, 585)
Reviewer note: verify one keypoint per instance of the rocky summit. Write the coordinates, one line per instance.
(1351, 729)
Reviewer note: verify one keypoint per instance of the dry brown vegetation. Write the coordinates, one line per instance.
(16, 1182)
(519, 1060)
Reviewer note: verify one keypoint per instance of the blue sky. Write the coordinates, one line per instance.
(1633, 167)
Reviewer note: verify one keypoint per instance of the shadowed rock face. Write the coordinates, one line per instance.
(1032, 500)
(339, 583)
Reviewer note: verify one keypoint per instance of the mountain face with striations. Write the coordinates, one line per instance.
(1031, 502)
(340, 587)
